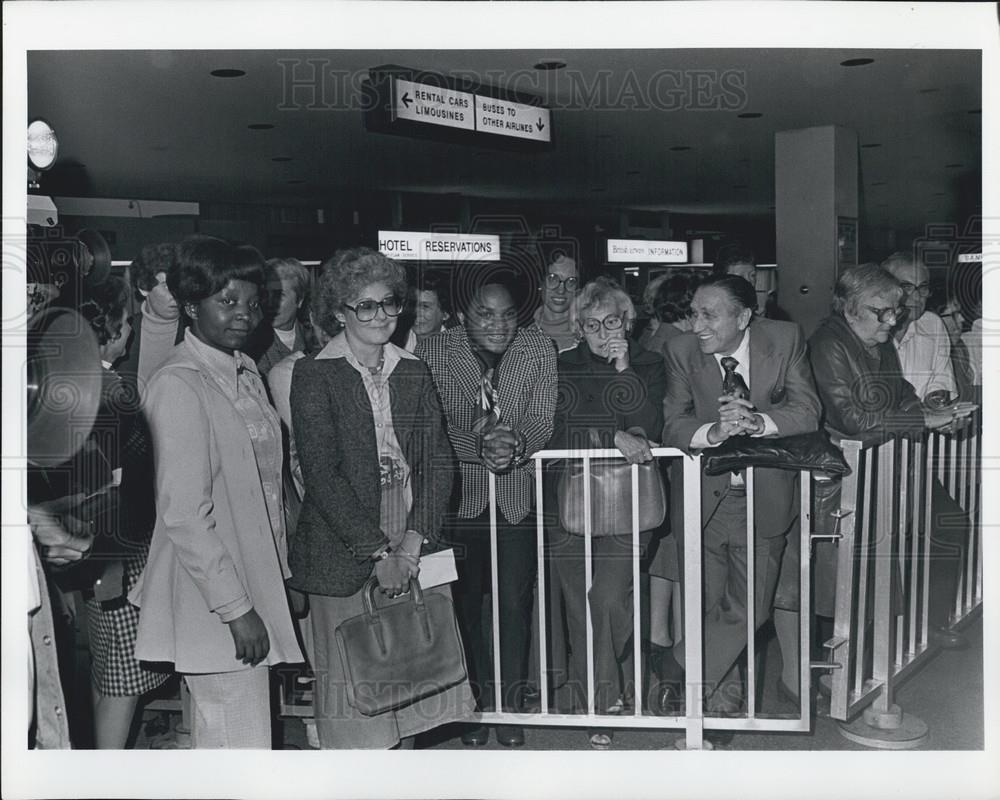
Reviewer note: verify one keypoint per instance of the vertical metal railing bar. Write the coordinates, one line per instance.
(751, 599)
(951, 468)
(866, 521)
(805, 573)
(975, 520)
(940, 458)
(693, 628)
(495, 593)
(928, 534)
(636, 596)
(588, 531)
(916, 534)
(543, 661)
(900, 464)
(881, 673)
(847, 526)
(967, 468)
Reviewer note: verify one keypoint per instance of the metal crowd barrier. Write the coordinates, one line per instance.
(884, 557)
(693, 722)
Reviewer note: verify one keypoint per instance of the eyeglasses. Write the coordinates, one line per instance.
(593, 325)
(366, 310)
(884, 314)
(923, 289)
(553, 281)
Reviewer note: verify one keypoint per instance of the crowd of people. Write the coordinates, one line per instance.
(269, 441)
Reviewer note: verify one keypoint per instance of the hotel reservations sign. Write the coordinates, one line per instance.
(425, 105)
(424, 246)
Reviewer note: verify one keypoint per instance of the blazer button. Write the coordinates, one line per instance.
(716, 492)
(46, 639)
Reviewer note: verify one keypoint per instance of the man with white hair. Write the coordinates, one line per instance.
(921, 337)
(924, 349)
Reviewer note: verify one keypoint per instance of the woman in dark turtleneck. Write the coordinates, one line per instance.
(610, 395)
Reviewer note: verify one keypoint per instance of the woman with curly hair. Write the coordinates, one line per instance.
(212, 597)
(375, 460)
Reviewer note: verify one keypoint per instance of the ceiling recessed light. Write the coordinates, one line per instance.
(549, 66)
(857, 62)
(679, 148)
(750, 115)
(871, 145)
(228, 73)
(953, 166)
(975, 111)
(260, 126)
(282, 158)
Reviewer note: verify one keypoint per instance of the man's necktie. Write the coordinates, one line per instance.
(732, 381)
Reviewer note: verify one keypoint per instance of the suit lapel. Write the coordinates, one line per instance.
(465, 368)
(707, 384)
(763, 368)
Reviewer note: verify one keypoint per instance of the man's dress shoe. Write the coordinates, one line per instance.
(510, 735)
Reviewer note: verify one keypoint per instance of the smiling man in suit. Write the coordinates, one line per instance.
(497, 382)
(768, 358)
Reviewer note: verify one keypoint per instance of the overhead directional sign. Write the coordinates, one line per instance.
(646, 251)
(433, 104)
(512, 119)
(424, 246)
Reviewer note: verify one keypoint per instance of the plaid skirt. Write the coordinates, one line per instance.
(114, 672)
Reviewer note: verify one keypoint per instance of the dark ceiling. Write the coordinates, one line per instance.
(683, 130)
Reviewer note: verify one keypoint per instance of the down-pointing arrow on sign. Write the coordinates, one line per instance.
(541, 125)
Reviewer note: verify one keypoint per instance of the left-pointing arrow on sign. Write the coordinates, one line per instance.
(407, 99)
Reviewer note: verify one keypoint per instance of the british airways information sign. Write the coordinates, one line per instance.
(646, 251)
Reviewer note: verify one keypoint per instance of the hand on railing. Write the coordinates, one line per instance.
(950, 418)
(635, 448)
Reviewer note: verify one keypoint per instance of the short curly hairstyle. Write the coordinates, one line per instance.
(345, 274)
(672, 301)
(864, 280)
(603, 290)
(103, 307)
(205, 265)
(152, 259)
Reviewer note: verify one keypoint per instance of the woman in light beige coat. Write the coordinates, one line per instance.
(212, 597)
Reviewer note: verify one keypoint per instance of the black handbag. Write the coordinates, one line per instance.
(611, 497)
(811, 451)
(408, 649)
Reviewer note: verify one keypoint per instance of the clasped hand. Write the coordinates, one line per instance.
(499, 446)
(736, 416)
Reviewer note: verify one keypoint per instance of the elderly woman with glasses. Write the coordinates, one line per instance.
(376, 462)
(610, 396)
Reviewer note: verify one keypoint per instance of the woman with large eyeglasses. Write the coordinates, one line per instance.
(554, 317)
(376, 463)
(610, 395)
